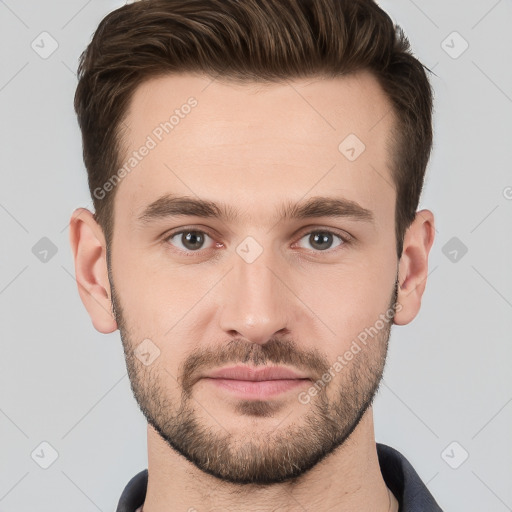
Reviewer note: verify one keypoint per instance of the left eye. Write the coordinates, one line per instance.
(322, 240)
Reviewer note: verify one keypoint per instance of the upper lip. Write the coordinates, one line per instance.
(255, 374)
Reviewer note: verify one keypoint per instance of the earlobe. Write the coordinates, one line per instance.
(89, 253)
(413, 266)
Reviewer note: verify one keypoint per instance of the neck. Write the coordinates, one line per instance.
(347, 479)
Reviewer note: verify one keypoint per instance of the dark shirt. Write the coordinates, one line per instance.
(400, 477)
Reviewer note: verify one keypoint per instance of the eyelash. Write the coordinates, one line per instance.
(345, 240)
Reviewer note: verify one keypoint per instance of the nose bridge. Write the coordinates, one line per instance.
(254, 302)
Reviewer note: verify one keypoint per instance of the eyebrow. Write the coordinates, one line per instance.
(171, 205)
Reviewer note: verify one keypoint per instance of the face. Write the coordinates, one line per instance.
(263, 274)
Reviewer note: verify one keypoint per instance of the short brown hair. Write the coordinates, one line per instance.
(251, 41)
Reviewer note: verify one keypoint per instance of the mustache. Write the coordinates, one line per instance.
(238, 351)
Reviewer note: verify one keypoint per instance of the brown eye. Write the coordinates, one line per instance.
(188, 240)
(322, 240)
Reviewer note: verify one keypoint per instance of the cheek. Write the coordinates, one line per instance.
(349, 298)
(138, 290)
(157, 295)
(155, 308)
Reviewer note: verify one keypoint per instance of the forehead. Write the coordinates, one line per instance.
(254, 144)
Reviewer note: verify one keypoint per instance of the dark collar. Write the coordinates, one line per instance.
(403, 481)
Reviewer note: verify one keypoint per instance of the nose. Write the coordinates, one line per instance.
(256, 304)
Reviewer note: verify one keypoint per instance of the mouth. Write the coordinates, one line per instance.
(256, 383)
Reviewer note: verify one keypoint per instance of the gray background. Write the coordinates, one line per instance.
(448, 376)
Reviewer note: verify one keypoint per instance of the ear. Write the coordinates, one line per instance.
(413, 266)
(89, 252)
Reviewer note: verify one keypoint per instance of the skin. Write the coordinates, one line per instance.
(298, 304)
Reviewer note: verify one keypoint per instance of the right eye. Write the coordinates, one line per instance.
(188, 240)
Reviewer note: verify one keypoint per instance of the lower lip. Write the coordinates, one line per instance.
(257, 389)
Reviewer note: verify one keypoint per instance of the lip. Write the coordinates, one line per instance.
(253, 383)
(249, 373)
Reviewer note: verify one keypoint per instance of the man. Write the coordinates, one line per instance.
(226, 142)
